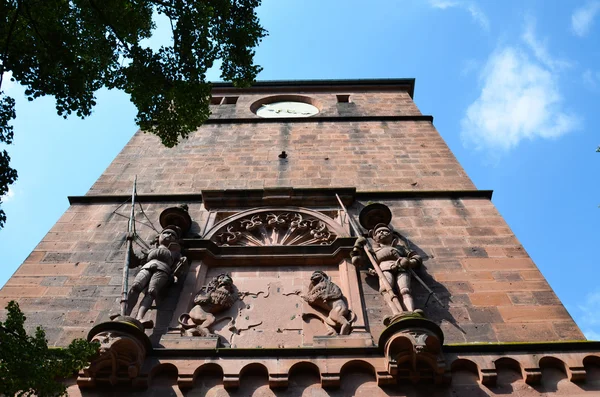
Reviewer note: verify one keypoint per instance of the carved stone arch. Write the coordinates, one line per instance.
(164, 374)
(509, 370)
(553, 362)
(358, 365)
(276, 226)
(591, 365)
(465, 371)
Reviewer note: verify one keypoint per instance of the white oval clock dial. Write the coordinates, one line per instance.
(287, 109)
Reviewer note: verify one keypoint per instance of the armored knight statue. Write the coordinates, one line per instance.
(216, 297)
(395, 262)
(325, 294)
(160, 267)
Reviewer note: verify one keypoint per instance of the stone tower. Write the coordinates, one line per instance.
(312, 238)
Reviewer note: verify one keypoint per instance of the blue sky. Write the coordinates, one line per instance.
(514, 87)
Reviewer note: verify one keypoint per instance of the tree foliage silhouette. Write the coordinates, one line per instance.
(28, 367)
(70, 49)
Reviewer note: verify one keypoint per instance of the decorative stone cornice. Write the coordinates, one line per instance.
(332, 363)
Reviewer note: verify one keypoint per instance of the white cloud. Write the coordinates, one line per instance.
(476, 13)
(583, 17)
(588, 314)
(540, 49)
(591, 79)
(591, 335)
(519, 99)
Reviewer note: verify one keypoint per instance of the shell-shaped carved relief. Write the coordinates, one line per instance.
(275, 227)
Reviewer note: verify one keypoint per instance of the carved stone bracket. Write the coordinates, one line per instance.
(275, 227)
(533, 376)
(123, 350)
(278, 381)
(412, 348)
(231, 381)
(577, 373)
(330, 380)
(488, 376)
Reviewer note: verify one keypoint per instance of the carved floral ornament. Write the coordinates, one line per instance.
(268, 227)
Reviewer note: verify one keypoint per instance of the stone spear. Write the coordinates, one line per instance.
(130, 237)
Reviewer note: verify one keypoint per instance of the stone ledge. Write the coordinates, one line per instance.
(352, 340)
(175, 341)
(331, 366)
(236, 198)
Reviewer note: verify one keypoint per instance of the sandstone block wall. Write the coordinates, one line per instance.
(492, 289)
(360, 104)
(371, 156)
(72, 279)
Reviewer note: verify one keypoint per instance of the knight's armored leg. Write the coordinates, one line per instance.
(390, 278)
(404, 288)
(158, 281)
(141, 281)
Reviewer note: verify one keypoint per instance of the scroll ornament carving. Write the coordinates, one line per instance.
(216, 297)
(324, 294)
(121, 356)
(283, 228)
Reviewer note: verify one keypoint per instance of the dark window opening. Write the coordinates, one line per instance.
(230, 100)
(216, 100)
(343, 98)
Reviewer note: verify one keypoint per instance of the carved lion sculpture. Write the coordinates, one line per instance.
(325, 294)
(218, 296)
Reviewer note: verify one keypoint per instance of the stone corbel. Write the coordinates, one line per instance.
(533, 376)
(185, 381)
(278, 381)
(412, 340)
(576, 374)
(330, 380)
(488, 376)
(384, 378)
(123, 350)
(231, 381)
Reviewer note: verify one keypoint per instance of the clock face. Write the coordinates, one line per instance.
(287, 109)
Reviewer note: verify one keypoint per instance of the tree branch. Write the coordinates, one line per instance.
(16, 335)
(162, 3)
(107, 23)
(8, 38)
(36, 30)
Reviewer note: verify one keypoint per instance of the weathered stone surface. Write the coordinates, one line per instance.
(491, 291)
